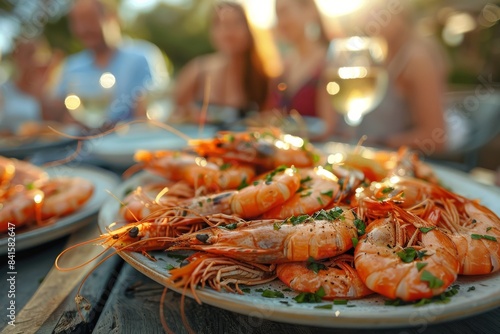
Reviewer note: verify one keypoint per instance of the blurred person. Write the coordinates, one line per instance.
(232, 78)
(21, 95)
(126, 71)
(300, 87)
(411, 111)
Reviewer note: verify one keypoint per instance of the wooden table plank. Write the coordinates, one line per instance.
(96, 289)
(133, 306)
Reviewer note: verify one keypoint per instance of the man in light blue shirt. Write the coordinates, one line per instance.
(104, 73)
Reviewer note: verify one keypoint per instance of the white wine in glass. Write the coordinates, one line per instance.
(88, 103)
(356, 79)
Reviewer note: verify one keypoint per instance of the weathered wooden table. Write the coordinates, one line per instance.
(122, 300)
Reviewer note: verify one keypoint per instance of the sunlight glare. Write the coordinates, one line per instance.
(260, 13)
(338, 7)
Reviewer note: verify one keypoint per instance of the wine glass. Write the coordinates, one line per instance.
(89, 98)
(355, 77)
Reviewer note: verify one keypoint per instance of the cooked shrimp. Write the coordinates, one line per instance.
(402, 256)
(143, 201)
(64, 195)
(20, 209)
(320, 236)
(252, 201)
(20, 172)
(196, 171)
(318, 187)
(475, 230)
(336, 276)
(267, 149)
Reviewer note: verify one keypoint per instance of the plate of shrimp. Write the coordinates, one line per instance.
(264, 223)
(33, 137)
(42, 204)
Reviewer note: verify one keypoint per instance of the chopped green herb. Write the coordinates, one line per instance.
(287, 290)
(340, 302)
(169, 267)
(360, 226)
(315, 266)
(296, 220)
(471, 288)
(246, 290)
(433, 281)
(324, 307)
(328, 193)
(277, 226)
(387, 190)
(307, 297)
(421, 265)
(259, 290)
(231, 226)
(272, 294)
(243, 184)
(488, 228)
(306, 179)
(354, 242)
(483, 236)
(225, 166)
(426, 229)
(409, 254)
(350, 305)
(306, 194)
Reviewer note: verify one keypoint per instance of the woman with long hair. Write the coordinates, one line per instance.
(233, 76)
(300, 88)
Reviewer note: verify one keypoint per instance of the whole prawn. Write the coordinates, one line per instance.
(402, 256)
(336, 276)
(319, 236)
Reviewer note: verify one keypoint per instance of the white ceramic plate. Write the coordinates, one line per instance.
(364, 313)
(103, 180)
(117, 149)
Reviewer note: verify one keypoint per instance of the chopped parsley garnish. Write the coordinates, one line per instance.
(272, 294)
(306, 179)
(307, 297)
(231, 226)
(169, 267)
(387, 190)
(360, 226)
(483, 236)
(409, 254)
(488, 228)
(421, 265)
(246, 290)
(324, 307)
(340, 302)
(315, 266)
(243, 183)
(433, 281)
(354, 242)
(426, 229)
(471, 288)
(328, 193)
(269, 177)
(225, 166)
(306, 194)
(333, 214)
